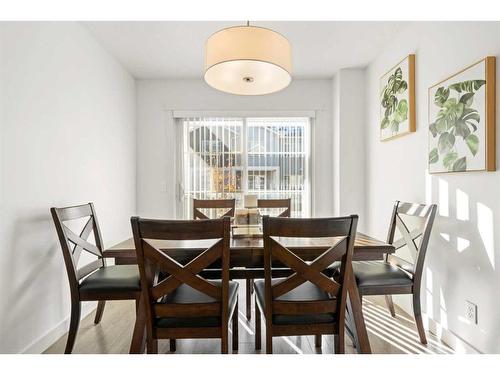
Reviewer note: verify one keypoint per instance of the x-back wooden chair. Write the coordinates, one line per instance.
(179, 302)
(285, 205)
(94, 281)
(198, 204)
(306, 302)
(396, 275)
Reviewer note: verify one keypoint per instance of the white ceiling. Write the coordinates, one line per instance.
(175, 49)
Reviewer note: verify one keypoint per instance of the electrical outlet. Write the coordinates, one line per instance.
(471, 312)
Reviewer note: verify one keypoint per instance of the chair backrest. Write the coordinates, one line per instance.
(153, 262)
(228, 204)
(343, 228)
(277, 203)
(73, 244)
(414, 224)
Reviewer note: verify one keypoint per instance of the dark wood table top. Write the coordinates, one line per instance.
(244, 251)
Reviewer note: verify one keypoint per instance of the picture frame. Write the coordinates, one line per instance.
(397, 100)
(461, 120)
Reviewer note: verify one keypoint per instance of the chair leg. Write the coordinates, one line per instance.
(224, 345)
(235, 328)
(173, 345)
(269, 343)
(152, 346)
(339, 343)
(390, 305)
(418, 318)
(317, 341)
(269, 337)
(99, 311)
(73, 326)
(249, 283)
(258, 337)
(138, 343)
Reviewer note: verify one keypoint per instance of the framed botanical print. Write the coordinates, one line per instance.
(462, 120)
(397, 100)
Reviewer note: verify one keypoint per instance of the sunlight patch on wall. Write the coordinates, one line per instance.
(462, 244)
(445, 236)
(442, 310)
(485, 228)
(464, 320)
(444, 209)
(462, 205)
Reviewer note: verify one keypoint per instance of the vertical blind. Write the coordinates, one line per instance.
(230, 157)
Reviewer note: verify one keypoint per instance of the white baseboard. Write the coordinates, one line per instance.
(52, 335)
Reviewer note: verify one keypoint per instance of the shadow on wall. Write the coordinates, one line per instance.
(462, 264)
(32, 281)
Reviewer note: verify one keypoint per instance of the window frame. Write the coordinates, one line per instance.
(308, 190)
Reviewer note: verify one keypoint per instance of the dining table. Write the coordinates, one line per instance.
(247, 262)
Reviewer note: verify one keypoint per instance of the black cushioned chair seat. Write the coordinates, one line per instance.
(305, 292)
(372, 274)
(187, 294)
(113, 279)
(379, 274)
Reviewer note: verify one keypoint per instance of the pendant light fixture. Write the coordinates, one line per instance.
(248, 60)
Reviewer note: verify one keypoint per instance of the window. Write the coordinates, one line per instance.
(230, 157)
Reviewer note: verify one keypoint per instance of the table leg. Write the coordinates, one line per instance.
(138, 343)
(356, 317)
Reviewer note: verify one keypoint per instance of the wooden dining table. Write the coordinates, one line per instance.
(247, 262)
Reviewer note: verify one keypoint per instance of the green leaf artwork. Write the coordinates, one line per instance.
(394, 102)
(455, 122)
(433, 156)
(473, 143)
(449, 159)
(460, 165)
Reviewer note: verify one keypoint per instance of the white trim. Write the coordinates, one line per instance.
(310, 117)
(242, 113)
(244, 157)
(41, 344)
(311, 167)
(178, 167)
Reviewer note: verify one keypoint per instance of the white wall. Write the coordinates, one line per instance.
(349, 143)
(469, 204)
(156, 135)
(68, 137)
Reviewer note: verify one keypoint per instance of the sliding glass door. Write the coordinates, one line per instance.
(230, 157)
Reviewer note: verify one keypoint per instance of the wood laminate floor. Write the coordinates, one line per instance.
(387, 335)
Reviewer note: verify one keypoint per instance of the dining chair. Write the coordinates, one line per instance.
(228, 204)
(398, 275)
(285, 205)
(306, 302)
(94, 281)
(179, 302)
